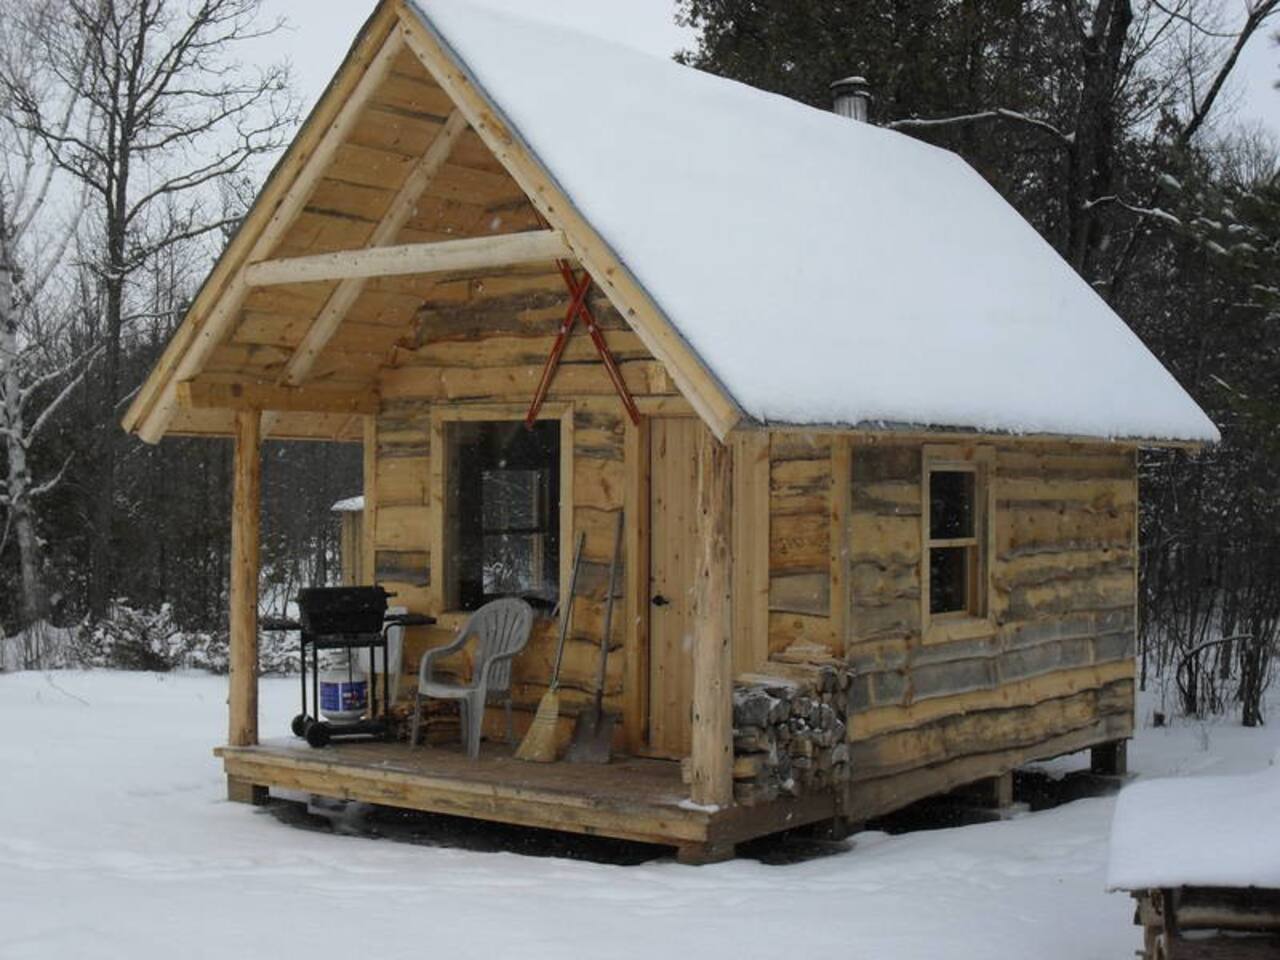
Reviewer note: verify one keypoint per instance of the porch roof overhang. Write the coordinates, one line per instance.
(208, 371)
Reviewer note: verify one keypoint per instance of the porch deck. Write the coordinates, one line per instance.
(631, 798)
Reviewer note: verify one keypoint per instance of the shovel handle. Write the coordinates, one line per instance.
(566, 609)
(607, 637)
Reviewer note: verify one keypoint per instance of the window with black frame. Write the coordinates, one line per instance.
(502, 512)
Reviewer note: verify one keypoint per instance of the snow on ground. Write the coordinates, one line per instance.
(115, 841)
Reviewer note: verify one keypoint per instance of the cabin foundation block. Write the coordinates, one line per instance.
(702, 854)
(1110, 759)
(241, 791)
(992, 793)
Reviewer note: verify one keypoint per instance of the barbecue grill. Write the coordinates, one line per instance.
(343, 618)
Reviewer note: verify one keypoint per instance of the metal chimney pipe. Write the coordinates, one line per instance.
(851, 97)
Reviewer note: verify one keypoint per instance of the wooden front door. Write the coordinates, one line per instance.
(673, 501)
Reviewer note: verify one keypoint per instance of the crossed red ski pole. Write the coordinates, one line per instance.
(578, 307)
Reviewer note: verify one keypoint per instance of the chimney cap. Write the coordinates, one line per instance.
(852, 85)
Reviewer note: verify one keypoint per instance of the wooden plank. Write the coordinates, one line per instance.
(636, 504)
(643, 806)
(883, 719)
(750, 551)
(246, 519)
(470, 253)
(986, 731)
(202, 395)
(712, 734)
(873, 798)
(219, 302)
(838, 539)
(694, 380)
(496, 384)
(369, 523)
(672, 574)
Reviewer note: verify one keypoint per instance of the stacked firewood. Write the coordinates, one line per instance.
(789, 736)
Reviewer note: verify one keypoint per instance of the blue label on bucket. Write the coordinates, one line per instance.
(348, 695)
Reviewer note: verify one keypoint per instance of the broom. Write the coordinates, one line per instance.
(539, 744)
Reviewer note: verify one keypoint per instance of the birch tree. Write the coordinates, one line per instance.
(167, 113)
(37, 377)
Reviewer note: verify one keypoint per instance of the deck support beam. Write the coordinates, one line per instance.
(242, 791)
(246, 511)
(711, 760)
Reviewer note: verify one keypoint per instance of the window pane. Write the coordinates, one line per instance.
(949, 579)
(951, 501)
(502, 512)
(513, 565)
(512, 499)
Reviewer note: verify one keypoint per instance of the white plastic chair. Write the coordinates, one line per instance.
(501, 629)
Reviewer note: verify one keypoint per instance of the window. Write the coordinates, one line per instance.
(956, 528)
(502, 512)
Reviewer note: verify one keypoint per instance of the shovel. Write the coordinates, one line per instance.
(593, 732)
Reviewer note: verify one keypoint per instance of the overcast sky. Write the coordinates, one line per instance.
(322, 30)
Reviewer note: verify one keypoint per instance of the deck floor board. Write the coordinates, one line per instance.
(632, 798)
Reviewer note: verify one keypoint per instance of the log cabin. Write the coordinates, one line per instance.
(874, 441)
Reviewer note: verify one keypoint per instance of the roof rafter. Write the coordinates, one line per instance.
(402, 206)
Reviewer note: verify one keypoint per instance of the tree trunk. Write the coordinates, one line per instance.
(32, 604)
(1091, 159)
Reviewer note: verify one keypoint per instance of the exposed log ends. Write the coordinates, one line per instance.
(789, 737)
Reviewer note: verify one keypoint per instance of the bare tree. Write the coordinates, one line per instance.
(37, 376)
(1155, 64)
(165, 113)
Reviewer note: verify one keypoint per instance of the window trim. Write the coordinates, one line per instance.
(441, 417)
(980, 461)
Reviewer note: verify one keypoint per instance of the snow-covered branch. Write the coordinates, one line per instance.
(999, 113)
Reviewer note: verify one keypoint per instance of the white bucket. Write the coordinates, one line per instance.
(344, 696)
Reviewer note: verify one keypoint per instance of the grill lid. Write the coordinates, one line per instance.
(330, 610)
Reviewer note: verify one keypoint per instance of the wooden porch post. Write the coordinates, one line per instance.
(246, 506)
(712, 746)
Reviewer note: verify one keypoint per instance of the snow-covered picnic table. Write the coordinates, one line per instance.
(1202, 858)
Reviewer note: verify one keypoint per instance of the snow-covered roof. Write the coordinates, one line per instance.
(1197, 831)
(825, 271)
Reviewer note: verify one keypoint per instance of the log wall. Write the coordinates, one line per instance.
(481, 345)
(1055, 673)
(801, 495)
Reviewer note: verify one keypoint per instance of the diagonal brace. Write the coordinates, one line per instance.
(579, 308)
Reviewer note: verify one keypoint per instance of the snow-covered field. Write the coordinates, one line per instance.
(115, 841)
